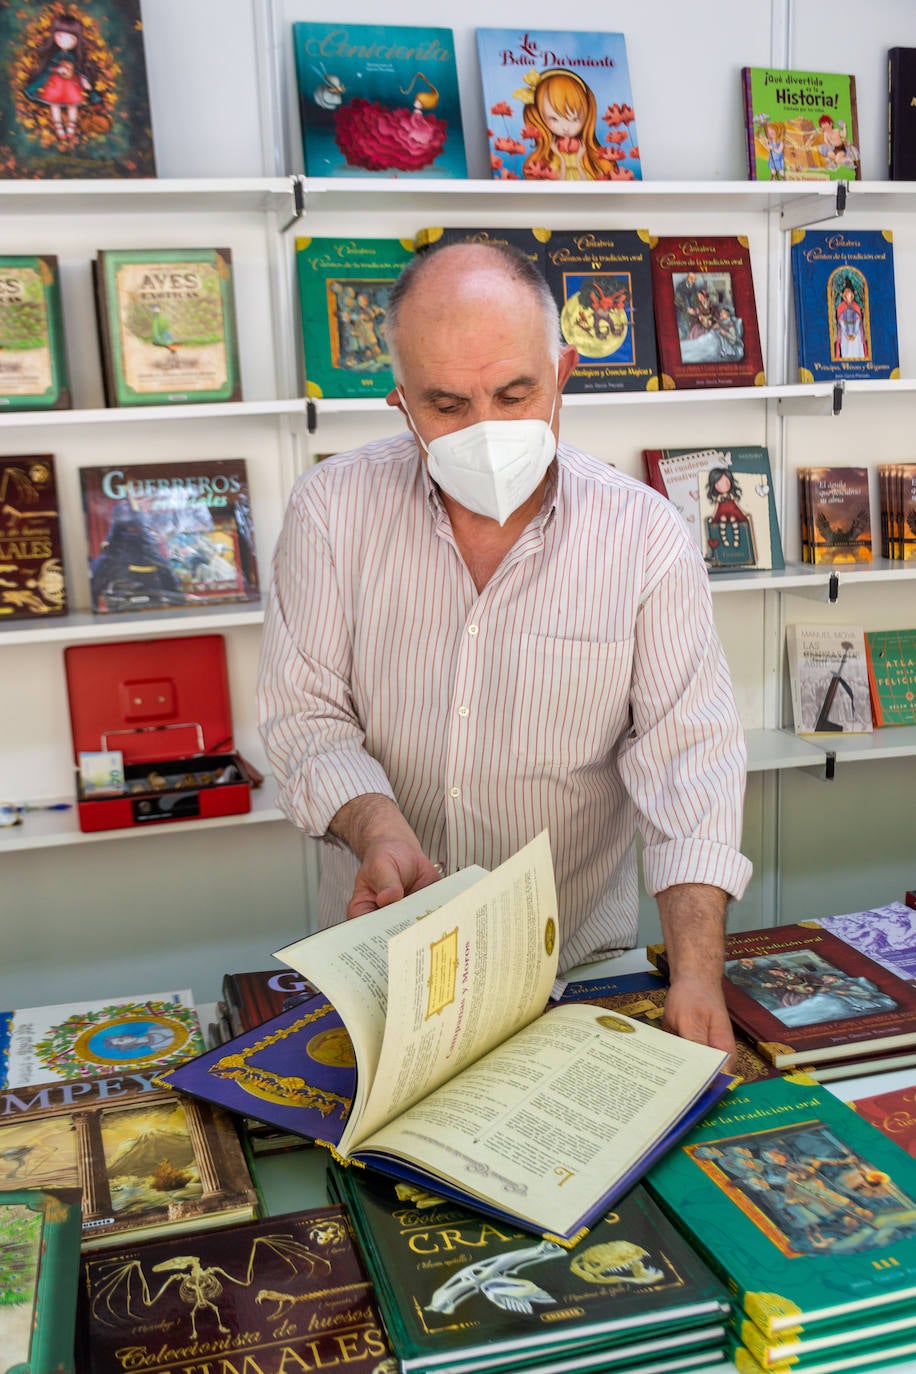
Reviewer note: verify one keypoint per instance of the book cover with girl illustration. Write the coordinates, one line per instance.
(558, 106)
(74, 101)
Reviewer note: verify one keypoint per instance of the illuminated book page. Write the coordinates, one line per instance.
(547, 1122)
(462, 980)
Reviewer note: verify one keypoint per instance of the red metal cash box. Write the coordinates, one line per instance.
(164, 703)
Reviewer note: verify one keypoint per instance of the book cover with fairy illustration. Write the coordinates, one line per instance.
(378, 100)
(32, 583)
(845, 303)
(558, 105)
(343, 295)
(169, 534)
(602, 284)
(40, 1246)
(800, 126)
(74, 99)
(167, 326)
(33, 360)
(705, 313)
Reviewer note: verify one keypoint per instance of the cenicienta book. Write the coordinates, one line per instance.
(32, 583)
(33, 360)
(845, 303)
(169, 534)
(457, 1291)
(800, 126)
(378, 100)
(40, 1245)
(443, 1012)
(74, 99)
(167, 325)
(558, 105)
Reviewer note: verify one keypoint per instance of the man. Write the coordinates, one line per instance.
(473, 636)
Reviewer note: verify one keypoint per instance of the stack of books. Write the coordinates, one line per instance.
(897, 491)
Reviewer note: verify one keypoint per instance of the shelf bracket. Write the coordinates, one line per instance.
(298, 204)
(311, 416)
(839, 390)
(813, 209)
(825, 772)
(833, 589)
(840, 198)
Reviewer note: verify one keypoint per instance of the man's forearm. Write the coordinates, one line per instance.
(693, 924)
(368, 819)
(392, 863)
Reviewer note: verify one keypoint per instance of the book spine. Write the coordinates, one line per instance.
(749, 124)
(891, 86)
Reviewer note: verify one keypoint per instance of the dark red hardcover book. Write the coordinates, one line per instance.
(910, 898)
(253, 998)
(894, 1113)
(705, 313)
(282, 1294)
(32, 582)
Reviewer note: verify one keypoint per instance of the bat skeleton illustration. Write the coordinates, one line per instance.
(125, 1285)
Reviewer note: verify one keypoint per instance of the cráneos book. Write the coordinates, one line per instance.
(462, 1085)
(806, 1210)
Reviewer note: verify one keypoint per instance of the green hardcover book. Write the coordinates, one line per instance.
(167, 326)
(39, 1268)
(33, 361)
(807, 1211)
(830, 1341)
(343, 294)
(800, 126)
(457, 1290)
(859, 1352)
(891, 656)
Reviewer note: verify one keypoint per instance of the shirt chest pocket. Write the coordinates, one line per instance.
(571, 699)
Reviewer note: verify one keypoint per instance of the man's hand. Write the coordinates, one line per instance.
(693, 924)
(392, 861)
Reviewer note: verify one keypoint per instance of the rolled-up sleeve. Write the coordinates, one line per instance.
(314, 740)
(684, 762)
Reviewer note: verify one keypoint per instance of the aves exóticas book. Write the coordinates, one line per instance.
(457, 1290)
(462, 1084)
(167, 325)
(33, 358)
(805, 1209)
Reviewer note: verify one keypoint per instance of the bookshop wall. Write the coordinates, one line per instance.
(222, 85)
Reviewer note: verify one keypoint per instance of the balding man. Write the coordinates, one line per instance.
(475, 633)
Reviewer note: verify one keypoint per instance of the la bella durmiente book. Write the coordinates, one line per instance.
(463, 1085)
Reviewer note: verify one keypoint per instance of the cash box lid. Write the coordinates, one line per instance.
(154, 699)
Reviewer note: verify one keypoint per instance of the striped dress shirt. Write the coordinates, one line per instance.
(583, 690)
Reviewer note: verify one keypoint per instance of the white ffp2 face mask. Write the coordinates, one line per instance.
(492, 467)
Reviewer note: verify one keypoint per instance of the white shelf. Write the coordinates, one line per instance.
(892, 742)
(80, 627)
(214, 410)
(51, 829)
(768, 750)
(151, 194)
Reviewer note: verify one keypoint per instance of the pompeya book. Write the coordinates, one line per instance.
(74, 99)
(33, 359)
(457, 1291)
(167, 326)
(558, 105)
(278, 1296)
(40, 1248)
(169, 534)
(378, 100)
(462, 1084)
(32, 580)
(845, 304)
(800, 126)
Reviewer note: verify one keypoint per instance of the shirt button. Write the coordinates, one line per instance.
(472, 629)
(454, 791)
(462, 710)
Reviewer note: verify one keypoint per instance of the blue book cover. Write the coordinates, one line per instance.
(378, 100)
(845, 304)
(558, 105)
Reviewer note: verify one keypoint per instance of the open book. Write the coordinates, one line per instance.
(463, 1085)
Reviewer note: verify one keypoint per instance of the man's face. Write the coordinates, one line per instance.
(474, 349)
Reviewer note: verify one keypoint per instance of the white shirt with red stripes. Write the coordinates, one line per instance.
(583, 690)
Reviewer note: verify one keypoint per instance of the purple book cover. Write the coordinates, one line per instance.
(886, 934)
(296, 1071)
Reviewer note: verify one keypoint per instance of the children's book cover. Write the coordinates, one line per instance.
(33, 360)
(602, 284)
(886, 934)
(74, 99)
(892, 675)
(343, 295)
(705, 313)
(804, 1208)
(167, 326)
(558, 105)
(800, 126)
(32, 583)
(828, 679)
(169, 534)
(378, 100)
(40, 1246)
(845, 303)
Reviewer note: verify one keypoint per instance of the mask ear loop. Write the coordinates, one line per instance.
(421, 442)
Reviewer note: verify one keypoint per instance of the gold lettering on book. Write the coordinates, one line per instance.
(283, 1090)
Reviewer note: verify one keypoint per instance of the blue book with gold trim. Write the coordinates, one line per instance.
(845, 304)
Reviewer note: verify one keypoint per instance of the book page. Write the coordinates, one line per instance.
(462, 980)
(349, 964)
(546, 1123)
